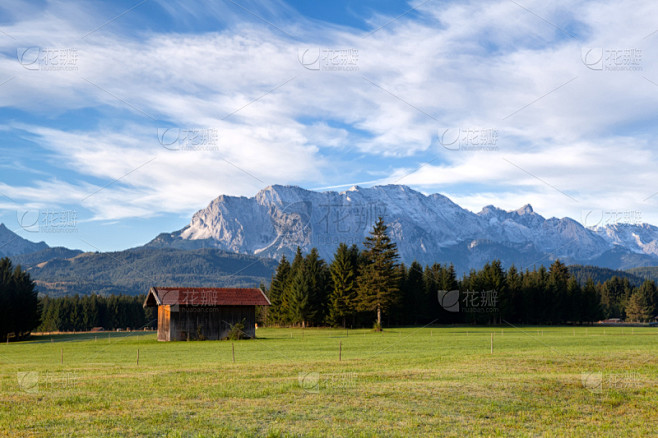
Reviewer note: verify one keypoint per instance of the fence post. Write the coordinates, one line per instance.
(233, 347)
(492, 343)
(340, 351)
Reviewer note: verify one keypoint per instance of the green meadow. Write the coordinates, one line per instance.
(440, 381)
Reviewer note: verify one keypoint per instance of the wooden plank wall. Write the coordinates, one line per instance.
(164, 318)
(209, 322)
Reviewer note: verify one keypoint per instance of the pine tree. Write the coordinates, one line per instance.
(612, 295)
(445, 279)
(591, 302)
(320, 279)
(418, 306)
(378, 282)
(494, 284)
(558, 277)
(300, 309)
(295, 267)
(276, 312)
(510, 299)
(343, 271)
(650, 293)
(640, 306)
(398, 311)
(574, 303)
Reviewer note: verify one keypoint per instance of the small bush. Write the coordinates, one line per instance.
(199, 334)
(377, 327)
(237, 331)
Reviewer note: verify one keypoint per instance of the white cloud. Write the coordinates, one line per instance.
(461, 65)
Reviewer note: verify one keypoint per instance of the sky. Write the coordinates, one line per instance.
(119, 120)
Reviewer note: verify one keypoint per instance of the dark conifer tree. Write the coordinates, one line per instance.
(378, 280)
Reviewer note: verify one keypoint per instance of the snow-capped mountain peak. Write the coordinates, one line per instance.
(427, 228)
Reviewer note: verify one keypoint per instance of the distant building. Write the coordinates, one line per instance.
(612, 321)
(188, 313)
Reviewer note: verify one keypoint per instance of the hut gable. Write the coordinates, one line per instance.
(205, 296)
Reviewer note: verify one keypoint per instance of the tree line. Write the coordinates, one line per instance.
(19, 304)
(357, 287)
(360, 284)
(82, 313)
(22, 310)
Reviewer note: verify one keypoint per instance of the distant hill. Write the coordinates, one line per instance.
(44, 255)
(135, 271)
(599, 275)
(648, 273)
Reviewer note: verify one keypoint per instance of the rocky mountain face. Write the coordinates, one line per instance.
(12, 244)
(235, 240)
(426, 228)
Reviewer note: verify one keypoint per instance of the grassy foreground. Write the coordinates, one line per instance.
(290, 382)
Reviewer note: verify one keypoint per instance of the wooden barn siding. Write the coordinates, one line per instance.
(215, 321)
(164, 313)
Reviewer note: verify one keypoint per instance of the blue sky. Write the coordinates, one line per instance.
(121, 119)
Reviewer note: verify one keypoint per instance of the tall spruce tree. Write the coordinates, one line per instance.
(510, 299)
(343, 271)
(320, 279)
(295, 267)
(378, 282)
(300, 307)
(418, 306)
(557, 296)
(640, 307)
(276, 312)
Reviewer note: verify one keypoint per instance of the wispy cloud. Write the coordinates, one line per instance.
(444, 66)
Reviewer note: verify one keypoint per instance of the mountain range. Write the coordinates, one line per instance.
(427, 228)
(237, 240)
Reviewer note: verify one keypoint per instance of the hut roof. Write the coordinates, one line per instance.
(205, 296)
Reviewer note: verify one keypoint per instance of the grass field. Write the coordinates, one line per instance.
(539, 381)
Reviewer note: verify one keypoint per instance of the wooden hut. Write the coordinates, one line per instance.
(187, 313)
